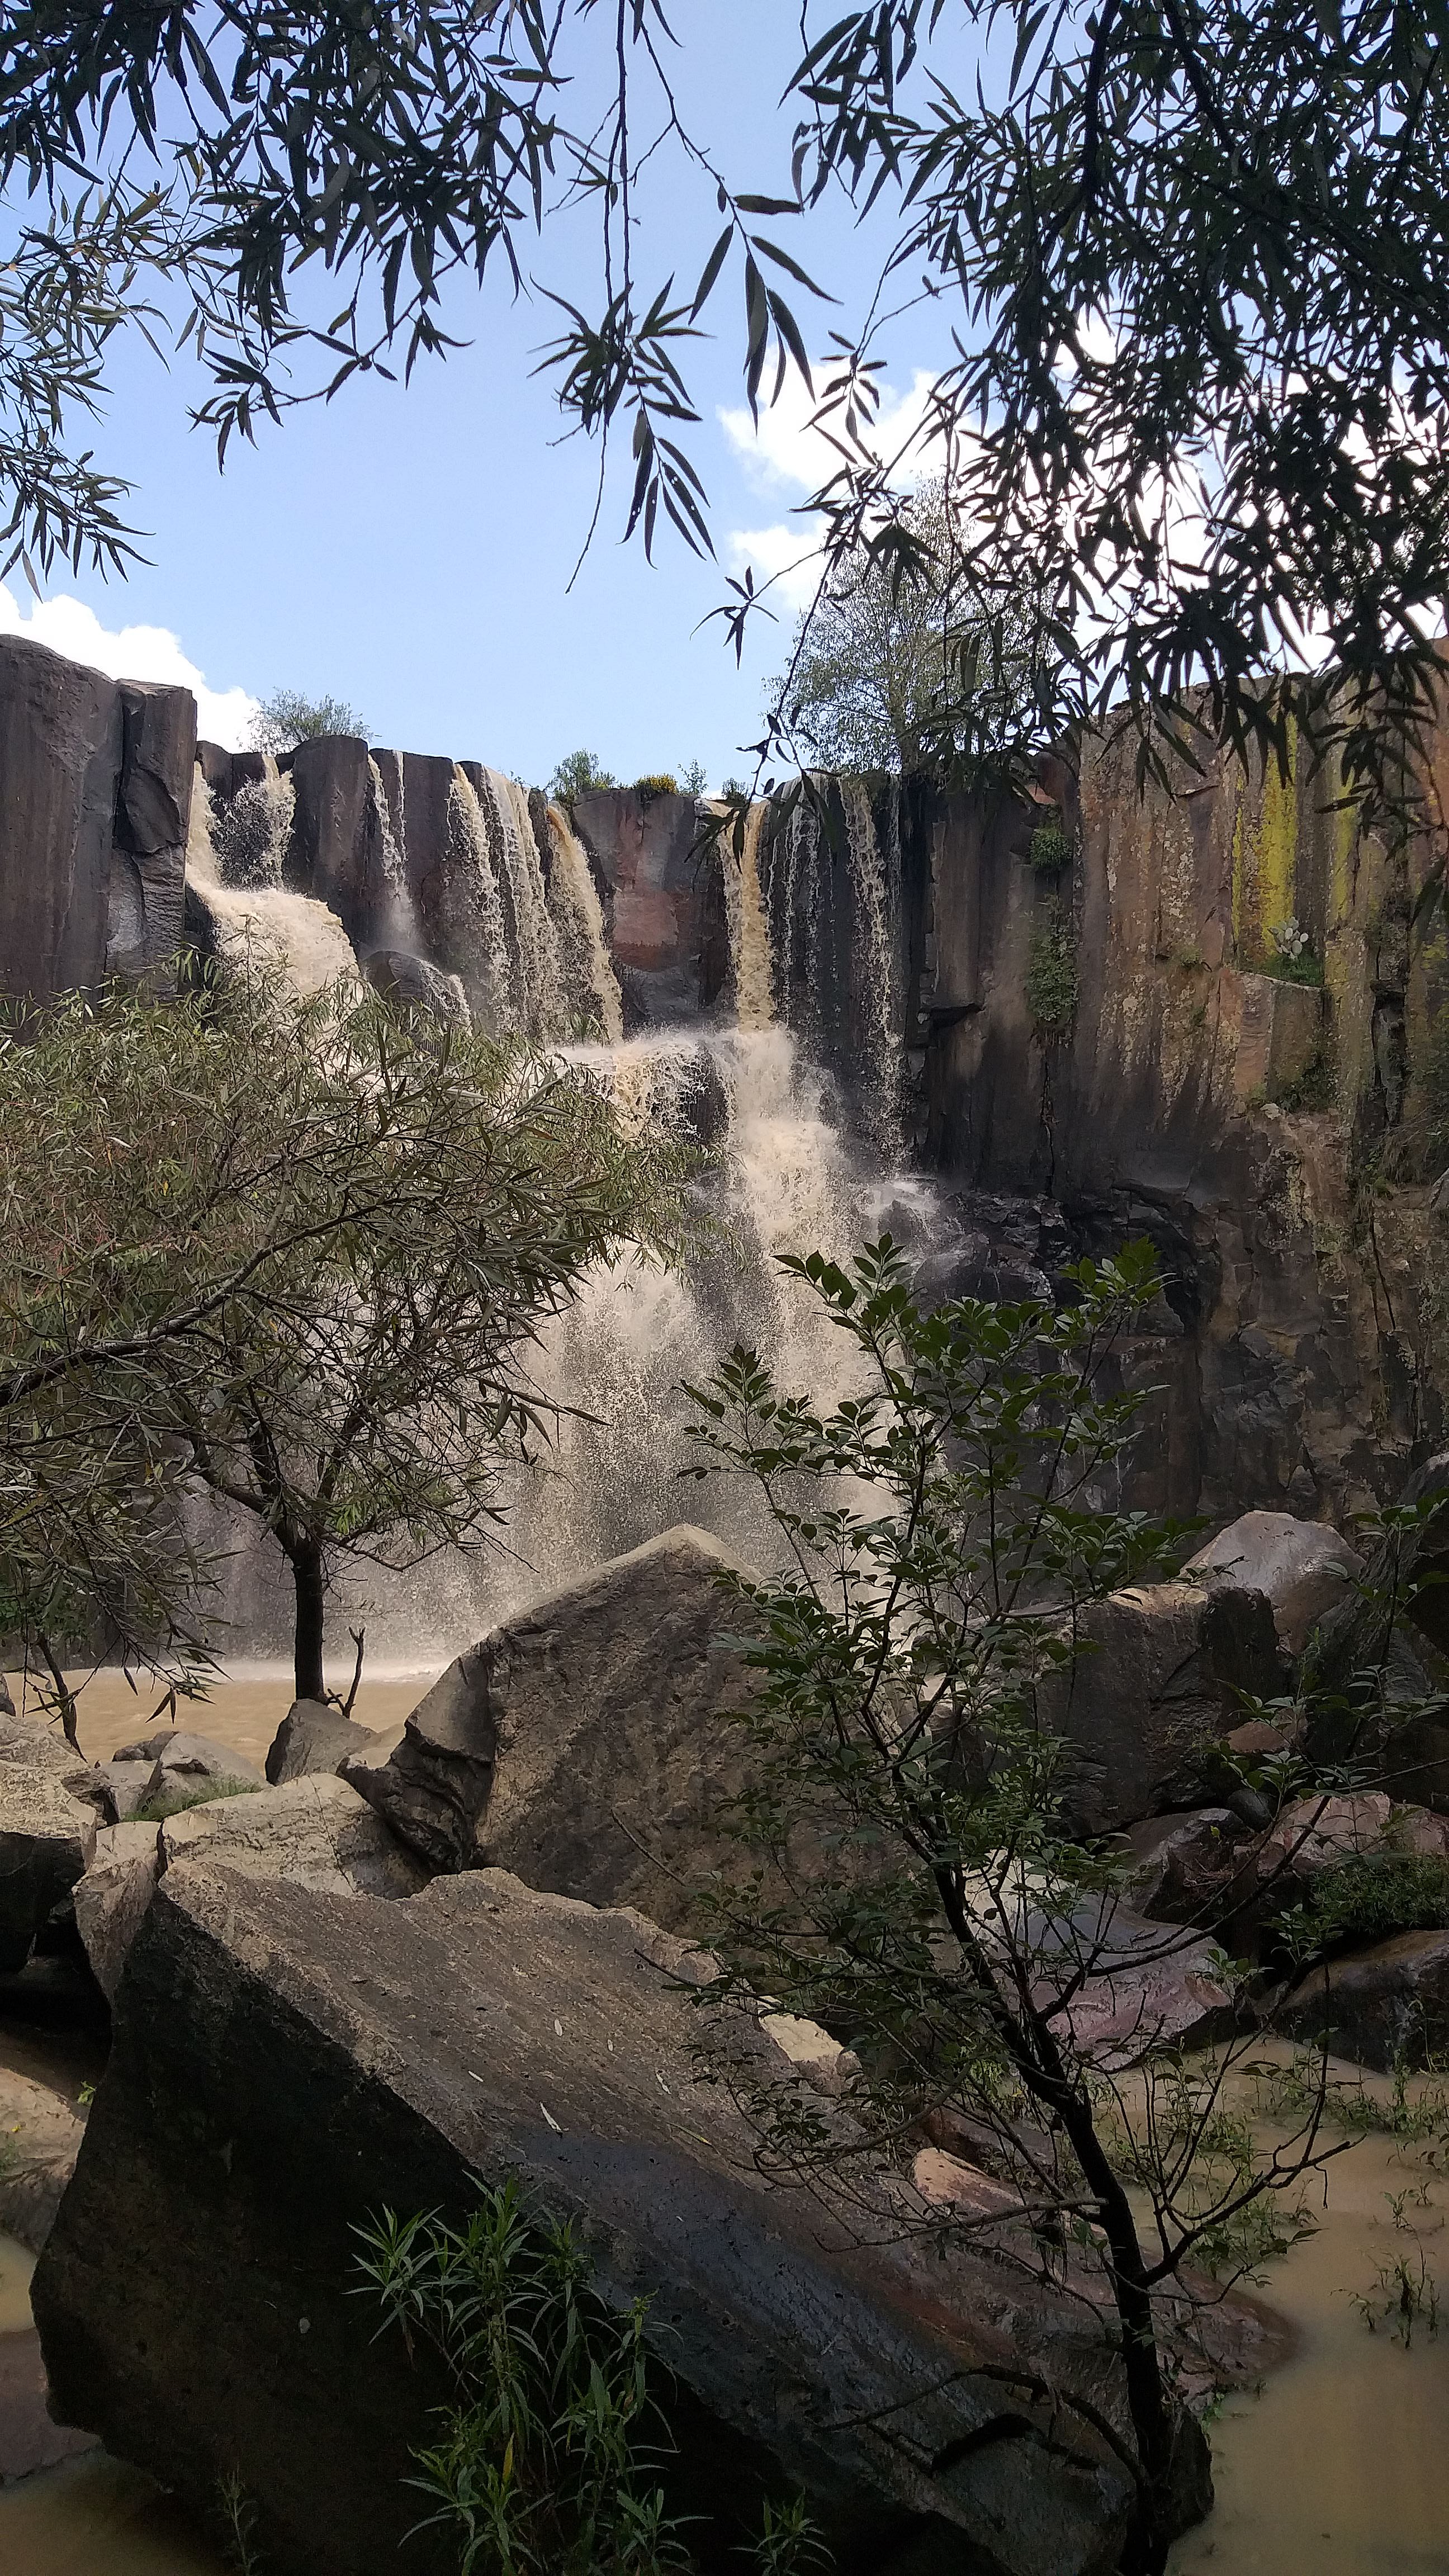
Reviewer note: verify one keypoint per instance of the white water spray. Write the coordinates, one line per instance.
(284, 932)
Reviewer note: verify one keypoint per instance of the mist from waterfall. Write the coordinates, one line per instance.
(787, 1166)
(261, 919)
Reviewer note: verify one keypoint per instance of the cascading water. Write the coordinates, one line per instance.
(401, 922)
(791, 1165)
(261, 918)
(592, 993)
(472, 915)
(749, 926)
(874, 884)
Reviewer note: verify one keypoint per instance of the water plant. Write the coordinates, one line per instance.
(548, 2454)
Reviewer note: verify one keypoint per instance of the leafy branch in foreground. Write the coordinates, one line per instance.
(1193, 261)
(549, 2455)
(913, 1880)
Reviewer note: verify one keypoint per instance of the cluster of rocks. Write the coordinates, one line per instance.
(389, 1969)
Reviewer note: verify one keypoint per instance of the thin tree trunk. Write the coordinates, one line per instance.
(306, 1559)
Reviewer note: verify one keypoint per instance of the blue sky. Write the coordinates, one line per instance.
(410, 550)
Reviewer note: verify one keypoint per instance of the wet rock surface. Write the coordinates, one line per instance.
(1379, 2005)
(287, 2062)
(1155, 1686)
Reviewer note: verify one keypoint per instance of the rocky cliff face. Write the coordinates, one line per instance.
(1278, 1139)
(1080, 1053)
(95, 791)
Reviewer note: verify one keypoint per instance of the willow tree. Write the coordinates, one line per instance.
(1193, 260)
(297, 1251)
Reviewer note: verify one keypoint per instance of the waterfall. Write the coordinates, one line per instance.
(749, 927)
(543, 1011)
(402, 921)
(784, 1178)
(261, 919)
(592, 988)
(250, 834)
(873, 883)
(474, 943)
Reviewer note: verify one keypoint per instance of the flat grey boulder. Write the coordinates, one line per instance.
(191, 1761)
(1304, 1568)
(46, 1841)
(1152, 1690)
(36, 1745)
(1377, 2005)
(287, 2063)
(315, 1830)
(585, 1743)
(315, 1737)
(113, 1896)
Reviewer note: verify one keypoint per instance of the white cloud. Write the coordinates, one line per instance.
(783, 446)
(786, 552)
(784, 450)
(130, 653)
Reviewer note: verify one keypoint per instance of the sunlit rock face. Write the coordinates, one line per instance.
(1014, 1031)
(95, 789)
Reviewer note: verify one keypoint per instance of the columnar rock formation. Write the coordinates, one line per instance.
(95, 791)
(1080, 1053)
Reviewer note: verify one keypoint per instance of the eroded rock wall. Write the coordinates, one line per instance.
(95, 795)
(1279, 1140)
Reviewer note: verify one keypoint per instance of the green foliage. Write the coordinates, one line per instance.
(178, 1802)
(1372, 1896)
(1290, 955)
(1049, 850)
(548, 2455)
(1051, 974)
(694, 779)
(910, 1875)
(295, 1250)
(1252, 194)
(579, 774)
(288, 717)
(899, 664)
(659, 782)
(1313, 1088)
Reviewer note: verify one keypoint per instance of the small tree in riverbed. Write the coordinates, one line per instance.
(296, 1250)
(916, 1886)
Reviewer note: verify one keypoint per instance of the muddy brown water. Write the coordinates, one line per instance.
(1338, 2466)
(243, 1710)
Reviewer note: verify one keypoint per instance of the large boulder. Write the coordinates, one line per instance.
(314, 1736)
(584, 1744)
(412, 984)
(287, 2064)
(1154, 1687)
(1380, 2006)
(113, 1896)
(314, 1830)
(47, 1838)
(191, 1762)
(41, 2130)
(1303, 1567)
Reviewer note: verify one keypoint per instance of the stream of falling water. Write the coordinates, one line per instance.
(263, 919)
(592, 994)
(749, 927)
